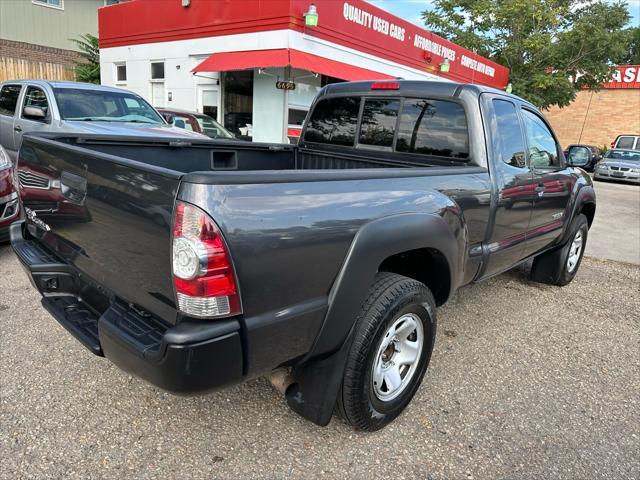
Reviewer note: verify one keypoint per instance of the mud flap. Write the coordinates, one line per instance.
(314, 393)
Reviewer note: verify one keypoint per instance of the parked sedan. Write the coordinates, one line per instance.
(9, 206)
(618, 164)
(593, 160)
(195, 122)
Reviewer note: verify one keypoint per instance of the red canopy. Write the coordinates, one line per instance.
(282, 57)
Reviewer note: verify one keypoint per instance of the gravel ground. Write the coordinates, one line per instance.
(526, 381)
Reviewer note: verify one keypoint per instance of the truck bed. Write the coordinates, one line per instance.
(229, 155)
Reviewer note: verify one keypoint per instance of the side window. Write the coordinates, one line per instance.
(625, 142)
(509, 134)
(131, 103)
(379, 122)
(182, 122)
(35, 97)
(543, 152)
(9, 99)
(433, 127)
(334, 121)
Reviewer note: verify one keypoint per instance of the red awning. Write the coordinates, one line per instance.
(282, 57)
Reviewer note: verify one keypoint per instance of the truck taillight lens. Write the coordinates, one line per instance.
(202, 272)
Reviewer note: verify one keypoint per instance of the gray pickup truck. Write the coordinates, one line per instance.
(199, 264)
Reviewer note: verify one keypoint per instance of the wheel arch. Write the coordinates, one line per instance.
(426, 265)
(588, 208)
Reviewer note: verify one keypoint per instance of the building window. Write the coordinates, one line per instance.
(157, 70)
(50, 3)
(121, 73)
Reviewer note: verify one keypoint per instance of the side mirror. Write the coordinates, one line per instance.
(35, 113)
(578, 156)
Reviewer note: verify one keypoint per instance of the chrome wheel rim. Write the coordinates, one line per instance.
(397, 357)
(574, 252)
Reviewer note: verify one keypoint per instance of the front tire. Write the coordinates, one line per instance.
(559, 266)
(391, 348)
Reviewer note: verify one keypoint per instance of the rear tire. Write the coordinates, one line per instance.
(390, 350)
(559, 266)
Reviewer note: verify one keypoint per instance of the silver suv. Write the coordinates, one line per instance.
(70, 107)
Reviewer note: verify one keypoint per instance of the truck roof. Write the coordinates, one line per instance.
(67, 84)
(416, 87)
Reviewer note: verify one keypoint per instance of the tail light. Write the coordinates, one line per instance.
(203, 275)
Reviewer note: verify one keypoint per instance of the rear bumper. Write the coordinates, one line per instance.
(188, 358)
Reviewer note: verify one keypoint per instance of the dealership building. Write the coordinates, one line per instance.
(256, 65)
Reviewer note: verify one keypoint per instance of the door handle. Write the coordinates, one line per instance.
(17, 128)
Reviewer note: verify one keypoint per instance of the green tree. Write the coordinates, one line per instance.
(87, 69)
(554, 48)
(633, 49)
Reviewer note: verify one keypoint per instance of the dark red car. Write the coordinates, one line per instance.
(9, 206)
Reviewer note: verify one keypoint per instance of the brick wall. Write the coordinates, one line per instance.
(25, 60)
(597, 118)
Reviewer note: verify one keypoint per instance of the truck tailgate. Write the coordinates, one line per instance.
(107, 216)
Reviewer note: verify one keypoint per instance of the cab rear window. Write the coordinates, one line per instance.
(415, 126)
(379, 116)
(334, 121)
(433, 127)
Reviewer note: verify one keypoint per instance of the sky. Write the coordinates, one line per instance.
(410, 9)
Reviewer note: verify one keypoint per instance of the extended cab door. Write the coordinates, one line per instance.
(513, 183)
(9, 96)
(552, 184)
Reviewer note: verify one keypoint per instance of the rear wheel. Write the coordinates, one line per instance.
(559, 266)
(390, 351)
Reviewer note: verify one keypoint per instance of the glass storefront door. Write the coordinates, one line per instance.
(238, 102)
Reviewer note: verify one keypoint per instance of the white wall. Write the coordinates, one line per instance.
(268, 107)
(270, 104)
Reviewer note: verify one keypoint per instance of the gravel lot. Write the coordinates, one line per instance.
(526, 381)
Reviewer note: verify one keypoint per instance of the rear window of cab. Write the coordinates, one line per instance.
(418, 126)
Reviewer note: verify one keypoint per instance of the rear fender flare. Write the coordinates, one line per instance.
(375, 242)
(317, 377)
